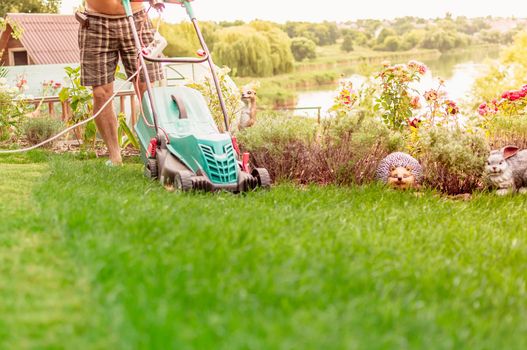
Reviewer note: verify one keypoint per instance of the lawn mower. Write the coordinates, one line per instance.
(180, 143)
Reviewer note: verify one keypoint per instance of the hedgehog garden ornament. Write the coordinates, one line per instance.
(507, 170)
(400, 170)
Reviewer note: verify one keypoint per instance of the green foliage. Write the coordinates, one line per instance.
(276, 131)
(81, 102)
(246, 50)
(412, 39)
(453, 158)
(325, 33)
(13, 108)
(125, 135)
(231, 95)
(358, 37)
(396, 97)
(258, 49)
(347, 43)
(385, 33)
(38, 129)
(303, 48)
(29, 6)
(182, 38)
(507, 75)
(280, 44)
(79, 97)
(444, 39)
(390, 43)
(494, 37)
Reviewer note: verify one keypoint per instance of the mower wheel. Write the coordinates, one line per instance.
(151, 169)
(183, 181)
(263, 177)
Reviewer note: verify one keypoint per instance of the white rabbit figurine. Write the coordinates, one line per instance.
(507, 170)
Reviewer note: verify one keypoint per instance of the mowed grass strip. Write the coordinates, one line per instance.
(301, 268)
(45, 303)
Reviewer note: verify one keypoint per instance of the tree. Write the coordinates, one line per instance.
(29, 6)
(347, 43)
(384, 33)
(182, 39)
(303, 48)
(391, 43)
(257, 49)
(280, 43)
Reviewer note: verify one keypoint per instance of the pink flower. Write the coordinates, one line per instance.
(483, 109)
(431, 95)
(415, 103)
(418, 66)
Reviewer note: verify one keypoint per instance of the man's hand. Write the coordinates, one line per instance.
(157, 5)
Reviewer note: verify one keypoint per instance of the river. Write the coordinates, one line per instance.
(459, 71)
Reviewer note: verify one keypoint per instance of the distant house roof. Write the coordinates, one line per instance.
(48, 38)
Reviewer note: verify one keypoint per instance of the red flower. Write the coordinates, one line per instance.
(451, 107)
(414, 122)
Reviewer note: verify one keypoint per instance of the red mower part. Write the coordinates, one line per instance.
(245, 161)
(235, 144)
(152, 149)
(201, 53)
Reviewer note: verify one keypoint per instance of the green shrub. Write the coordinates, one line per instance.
(303, 48)
(275, 131)
(347, 43)
(453, 159)
(39, 129)
(353, 146)
(13, 108)
(505, 130)
(342, 150)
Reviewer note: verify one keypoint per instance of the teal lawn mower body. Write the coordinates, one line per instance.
(181, 145)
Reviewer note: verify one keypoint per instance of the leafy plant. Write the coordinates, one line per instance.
(81, 103)
(396, 101)
(452, 158)
(39, 129)
(13, 108)
(231, 95)
(125, 135)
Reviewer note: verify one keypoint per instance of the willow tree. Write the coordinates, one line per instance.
(245, 50)
(281, 54)
(258, 49)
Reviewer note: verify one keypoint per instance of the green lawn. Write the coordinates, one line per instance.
(100, 258)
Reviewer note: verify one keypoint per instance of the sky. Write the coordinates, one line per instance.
(336, 10)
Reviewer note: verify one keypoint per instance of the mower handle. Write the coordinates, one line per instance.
(176, 60)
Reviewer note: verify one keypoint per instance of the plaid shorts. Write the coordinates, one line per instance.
(103, 40)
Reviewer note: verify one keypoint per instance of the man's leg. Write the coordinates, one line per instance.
(141, 86)
(107, 121)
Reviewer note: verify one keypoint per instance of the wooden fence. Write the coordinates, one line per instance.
(64, 110)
